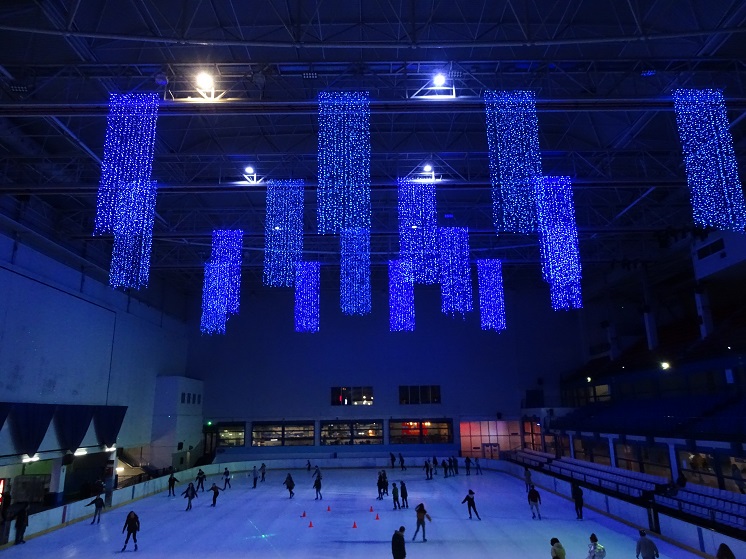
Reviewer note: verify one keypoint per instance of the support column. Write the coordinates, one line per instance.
(651, 330)
(674, 460)
(702, 299)
(386, 439)
(57, 481)
(612, 452)
(571, 439)
(110, 474)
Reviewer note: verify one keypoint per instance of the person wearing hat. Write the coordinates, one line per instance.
(469, 500)
(398, 549)
(646, 547)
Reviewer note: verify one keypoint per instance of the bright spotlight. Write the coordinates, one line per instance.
(249, 170)
(204, 81)
(665, 365)
(428, 168)
(439, 80)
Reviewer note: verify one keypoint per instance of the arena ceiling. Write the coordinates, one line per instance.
(603, 73)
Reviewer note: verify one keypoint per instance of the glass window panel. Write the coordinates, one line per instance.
(232, 434)
(435, 394)
(404, 432)
(414, 394)
(403, 395)
(298, 434)
(434, 432)
(367, 432)
(337, 433)
(266, 434)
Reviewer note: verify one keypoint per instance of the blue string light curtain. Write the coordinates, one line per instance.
(283, 232)
(307, 296)
(491, 294)
(343, 162)
(454, 272)
(558, 241)
(221, 290)
(710, 161)
(515, 159)
(134, 212)
(354, 285)
(418, 233)
(128, 152)
(401, 298)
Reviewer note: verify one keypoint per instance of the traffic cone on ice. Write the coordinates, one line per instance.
(377, 517)
(329, 508)
(371, 509)
(310, 524)
(354, 525)
(303, 515)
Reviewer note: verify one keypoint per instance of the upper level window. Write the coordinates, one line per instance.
(352, 396)
(419, 394)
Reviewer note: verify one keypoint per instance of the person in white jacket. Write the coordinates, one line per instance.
(595, 549)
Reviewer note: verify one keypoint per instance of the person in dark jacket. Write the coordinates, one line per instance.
(132, 525)
(395, 496)
(421, 516)
(172, 481)
(534, 500)
(200, 479)
(467, 463)
(255, 474)
(469, 500)
(398, 548)
(290, 484)
(403, 490)
(21, 523)
(393, 459)
(401, 462)
(577, 497)
(99, 506)
(190, 493)
(226, 479)
(317, 487)
(646, 547)
(215, 491)
(263, 470)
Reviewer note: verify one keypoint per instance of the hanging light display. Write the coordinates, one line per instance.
(710, 161)
(418, 240)
(307, 296)
(491, 294)
(134, 212)
(283, 231)
(558, 240)
(344, 162)
(128, 153)
(515, 159)
(222, 285)
(354, 285)
(453, 266)
(401, 297)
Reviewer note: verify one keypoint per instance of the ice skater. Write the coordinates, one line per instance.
(226, 479)
(190, 493)
(316, 472)
(379, 484)
(467, 463)
(255, 475)
(455, 465)
(215, 491)
(132, 525)
(308, 465)
(469, 500)
(595, 549)
(534, 500)
(263, 470)
(385, 483)
(428, 469)
(403, 491)
(398, 548)
(577, 497)
(401, 462)
(172, 481)
(98, 503)
(21, 523)
(290, 484)
(393, 459)
(646, 547)
(435, 465)
(200, 479)
(421, 516)
(317, 487)
(558, 552)
(477, 467)
(395, 496)
(444, 465)
(527, 478)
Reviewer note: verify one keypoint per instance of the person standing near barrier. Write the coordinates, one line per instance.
(534, 500)
(99, 506)
(263, 470)
(21, 523)
(226, 479)
(527, 478)
(255, 475)
(646, 547)
(577, 497)
(477, 467)
(172, 481)
(132, 525)
(467, 463)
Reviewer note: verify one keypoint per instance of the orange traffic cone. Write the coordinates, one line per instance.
(377, 517)
(310, 524)
(329, 508)
(371, 509)
(354, 525)
(303, 515)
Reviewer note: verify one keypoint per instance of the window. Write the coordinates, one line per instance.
(419, 432)
(189, 397)
(352, 396)
(282, 434)
(231, 434)
(183, 397)
(351, 433)
(419, 394)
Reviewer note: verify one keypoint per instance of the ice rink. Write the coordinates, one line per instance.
(264, 523)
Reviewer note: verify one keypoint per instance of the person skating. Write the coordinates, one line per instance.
(393, 459)
(421, 516)
(469, 500)
(444, 465)
(428, 469)
(172, 481)
(98, 503)
(527, 478)
(455, 466)
(263, 470)
(226, 479)
(132, 525)
(290, 484)
(403, 492)
(316, 472)
(255, 475)
(534, 500)
(558, 552)
(398, 549)
(595, 549)
(395, 496)
(190, 493)
(317, 487)
(401, 462)
(477, 467)
(308, 465)
(435, 465)
(379, 484)
(21, 523)
(215, 491)
(646, 547)
(467, 463)
(450, 466)
(200, 479)
(385, 483)
(577, 497)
